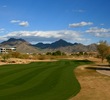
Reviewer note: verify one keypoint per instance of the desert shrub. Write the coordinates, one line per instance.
(11, 61)
(24, 56)
(5, 57)
(40, 57)
(15, 54)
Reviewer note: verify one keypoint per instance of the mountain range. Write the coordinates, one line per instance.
(62, 45)
(54, 45)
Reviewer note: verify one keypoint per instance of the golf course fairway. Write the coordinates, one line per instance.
(40, 80)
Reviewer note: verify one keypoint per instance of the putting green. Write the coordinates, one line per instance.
(39, 80)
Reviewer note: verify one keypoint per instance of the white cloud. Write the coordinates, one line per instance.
(99, 32)
(20, 23)
(81, 24)
(24, 23)
(36, 36)
(15, 21)
(2, 39)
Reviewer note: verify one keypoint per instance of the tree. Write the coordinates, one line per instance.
(48, 53)
(108, 59)
(103, 49)
(57, 53)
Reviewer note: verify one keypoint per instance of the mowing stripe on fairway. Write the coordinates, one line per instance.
(30, 83)
(16, 79)
(19, 71)
(40, 81)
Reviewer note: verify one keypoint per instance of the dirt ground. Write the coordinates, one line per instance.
(94, 85)
(23, 61)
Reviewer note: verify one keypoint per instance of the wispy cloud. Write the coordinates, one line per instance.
(79, 10)
(2, 30)
(99, 32)
(81, 24)
(36, 36)
(102, 24)
(24, 23)
(4, 6)
(20, 23)
(15, 21)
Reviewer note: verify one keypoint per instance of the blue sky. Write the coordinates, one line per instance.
(82, 21)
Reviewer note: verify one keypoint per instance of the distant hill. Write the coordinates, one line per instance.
(42, 45)
(78, 48)
(20, 44)
(54, 45)
(14, 42)
(62, 45)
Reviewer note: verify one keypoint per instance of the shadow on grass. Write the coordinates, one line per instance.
(82, 60)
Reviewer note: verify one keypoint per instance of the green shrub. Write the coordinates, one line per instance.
(108, 59)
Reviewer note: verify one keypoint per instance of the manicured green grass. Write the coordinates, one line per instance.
(40, 80)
